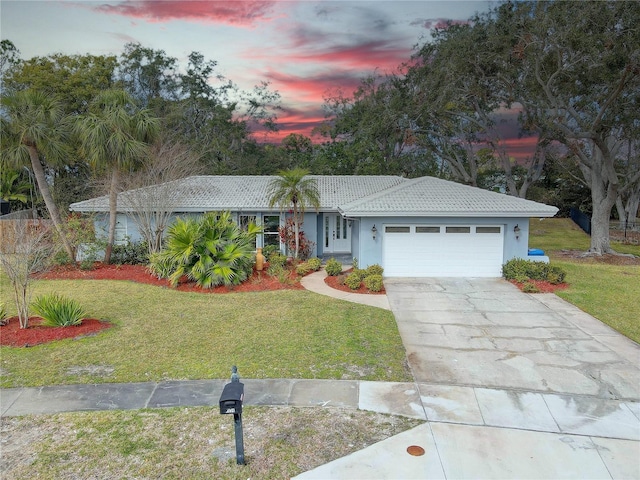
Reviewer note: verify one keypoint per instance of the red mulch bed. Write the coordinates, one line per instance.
(258, 282)
(14, 336)
(542, 286)
(336, 282)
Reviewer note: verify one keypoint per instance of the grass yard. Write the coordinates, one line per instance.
(194, 443)
(609, 292)
(163, 334)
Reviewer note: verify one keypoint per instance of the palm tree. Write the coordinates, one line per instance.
(12, 188)
(212, 250)
(293, 189)
(114, 136)
(36, 130)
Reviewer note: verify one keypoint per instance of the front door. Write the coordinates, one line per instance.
(337, 234)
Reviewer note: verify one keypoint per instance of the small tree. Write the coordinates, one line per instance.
(293, 188)
(288, 237)
(26, 247)
(151, 190)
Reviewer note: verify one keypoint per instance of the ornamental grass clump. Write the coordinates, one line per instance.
(58, 311)
(3, 314)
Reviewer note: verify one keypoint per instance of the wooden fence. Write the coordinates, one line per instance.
(13, 232)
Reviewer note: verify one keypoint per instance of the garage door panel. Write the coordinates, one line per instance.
(443, 254)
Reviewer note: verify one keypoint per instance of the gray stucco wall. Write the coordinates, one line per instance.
(128, 227)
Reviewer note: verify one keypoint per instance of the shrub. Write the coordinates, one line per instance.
(269, 250)
(360, 272)
(556, 275)
(311, 265)
(529, 287)
(58, 311)
(131, 253)
(374, 269)
(373, 282)
(277, 260)
(315, 263)
(353, 281)
(333, 267)
(354, 263)
(521, 270)
(303, 268)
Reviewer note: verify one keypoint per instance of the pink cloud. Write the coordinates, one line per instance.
(313, 89)
(237, 13)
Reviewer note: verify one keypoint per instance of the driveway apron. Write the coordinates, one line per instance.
(487, 333)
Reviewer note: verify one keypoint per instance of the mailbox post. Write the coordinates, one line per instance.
(231, 402)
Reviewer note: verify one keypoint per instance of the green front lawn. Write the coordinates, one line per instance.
(610, 293)
(163, 334)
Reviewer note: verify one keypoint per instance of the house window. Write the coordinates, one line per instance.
(244, 221)
(270, 235)
(427, 229)
(397, 229)
(458, 229)
(487, 229)
(326, 232)
(121, 237)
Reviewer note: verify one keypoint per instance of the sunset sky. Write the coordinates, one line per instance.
(305, 49)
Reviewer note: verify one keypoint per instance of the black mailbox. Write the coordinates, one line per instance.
(231, 398)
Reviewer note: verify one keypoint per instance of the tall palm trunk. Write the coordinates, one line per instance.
(38, 173)
(113, 215)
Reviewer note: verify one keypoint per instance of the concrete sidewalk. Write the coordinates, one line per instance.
(470, 432)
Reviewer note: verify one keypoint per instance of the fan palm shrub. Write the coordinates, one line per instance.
(211, 250)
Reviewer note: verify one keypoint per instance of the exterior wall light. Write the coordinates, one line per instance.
(516, 230)
(374, 231)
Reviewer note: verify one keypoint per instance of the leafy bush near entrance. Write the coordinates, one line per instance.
(373, 282)
(333, 267)
(353, 281)
(374, 269)
(311, 265)
(521, 271)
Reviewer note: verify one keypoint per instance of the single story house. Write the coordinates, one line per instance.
(419, 227)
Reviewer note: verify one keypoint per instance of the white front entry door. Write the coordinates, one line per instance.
(337, 234)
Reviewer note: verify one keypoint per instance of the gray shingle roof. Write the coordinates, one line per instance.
(246, 193)
(353, 195)
(429, 196)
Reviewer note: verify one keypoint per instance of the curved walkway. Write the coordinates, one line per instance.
(314, 282)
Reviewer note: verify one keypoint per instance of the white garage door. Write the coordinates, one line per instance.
(442, 251)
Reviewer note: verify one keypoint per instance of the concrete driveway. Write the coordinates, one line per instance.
(487, 333)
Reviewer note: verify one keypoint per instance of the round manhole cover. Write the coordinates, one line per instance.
(415, 450)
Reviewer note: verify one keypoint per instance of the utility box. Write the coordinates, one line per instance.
(231, 398)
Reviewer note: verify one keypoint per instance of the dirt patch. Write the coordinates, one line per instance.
(609, 259)
(13, 336)
(279, 442)
(541, 286)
